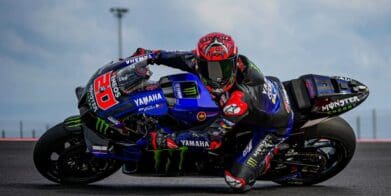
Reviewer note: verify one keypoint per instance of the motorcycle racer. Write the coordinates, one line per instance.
(245, 97)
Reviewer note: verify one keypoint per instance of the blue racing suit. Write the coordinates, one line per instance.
(254, 100)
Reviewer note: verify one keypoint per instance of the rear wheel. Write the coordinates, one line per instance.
(61, 156)
(328, 148)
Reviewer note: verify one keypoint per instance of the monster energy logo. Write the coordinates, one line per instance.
(340, 105)
(73, 122)
(101, 126)
(158, 156)
(339, 110)
(251, 162)
(183, 150)
(190, 91)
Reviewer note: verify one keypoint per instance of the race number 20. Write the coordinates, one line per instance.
(104, 95)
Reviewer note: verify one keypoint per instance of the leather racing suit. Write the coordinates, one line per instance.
(254, 100)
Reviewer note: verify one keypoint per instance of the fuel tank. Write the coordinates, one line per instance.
(188, 100)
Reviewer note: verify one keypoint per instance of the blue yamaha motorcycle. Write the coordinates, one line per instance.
(119, 107)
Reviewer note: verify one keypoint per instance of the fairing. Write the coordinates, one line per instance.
(316, 96)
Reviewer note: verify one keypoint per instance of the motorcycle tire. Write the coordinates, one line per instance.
(336, 131)
(60, 155)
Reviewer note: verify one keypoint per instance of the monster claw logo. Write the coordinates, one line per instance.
(186, 89)
(252, 162)
(166, 158)
(73, 122)
(190, 91)
(101, 126)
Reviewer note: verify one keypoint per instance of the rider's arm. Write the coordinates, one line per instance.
(183, 60)
(252, 75)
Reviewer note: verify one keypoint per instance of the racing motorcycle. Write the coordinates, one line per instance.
(120, 106)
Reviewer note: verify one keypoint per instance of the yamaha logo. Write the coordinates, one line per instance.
(195, 143)
(148, 99)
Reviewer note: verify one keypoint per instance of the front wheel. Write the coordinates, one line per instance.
(61, 156)
(328, 148)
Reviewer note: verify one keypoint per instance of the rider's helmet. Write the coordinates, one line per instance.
(217, 57)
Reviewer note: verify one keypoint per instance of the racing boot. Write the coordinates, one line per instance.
(252, 163)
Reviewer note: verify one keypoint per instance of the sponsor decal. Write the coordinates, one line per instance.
(183, 151)
(99, 148)
(335, 105)
(201, 116)
(185, 89)
(164, 159)
(91, 100)
(190, 91)
(235, 105)
(263, 147)
(269, 91)
(101, 126)
(150, 107)
(232, 109)
(114, 85)
(136, 59)
(145, 100)
(104, 94)
(195, 143)
(248, 148)
(178, 92)
(73, 122)
(343, 78)
(252, 162)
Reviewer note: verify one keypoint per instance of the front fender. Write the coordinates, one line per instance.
(73, 124)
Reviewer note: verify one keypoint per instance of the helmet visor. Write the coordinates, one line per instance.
(219, 72)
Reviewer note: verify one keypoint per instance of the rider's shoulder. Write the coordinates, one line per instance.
(250, 72)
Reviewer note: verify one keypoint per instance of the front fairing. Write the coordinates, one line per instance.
(104, 93)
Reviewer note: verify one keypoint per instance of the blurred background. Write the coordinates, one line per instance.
(47, 48)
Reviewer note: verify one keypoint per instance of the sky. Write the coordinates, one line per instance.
(47, 48)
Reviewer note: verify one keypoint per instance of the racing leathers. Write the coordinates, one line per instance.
(254, 101)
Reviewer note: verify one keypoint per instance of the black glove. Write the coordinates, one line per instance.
(141, 51)
(153, 57)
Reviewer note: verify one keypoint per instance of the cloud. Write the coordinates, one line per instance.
(49, 47)
(288, 39)
(308, 37)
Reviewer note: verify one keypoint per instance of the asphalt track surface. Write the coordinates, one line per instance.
(369, 173)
